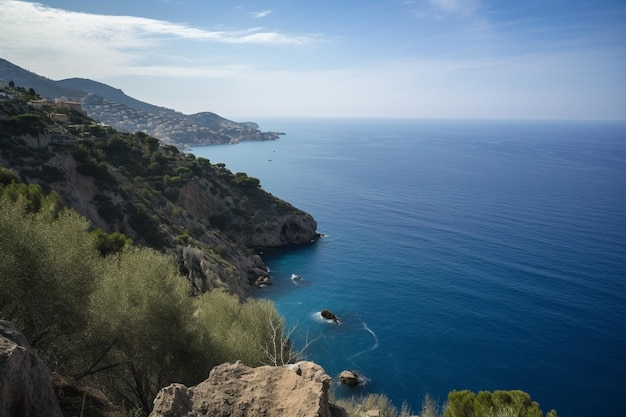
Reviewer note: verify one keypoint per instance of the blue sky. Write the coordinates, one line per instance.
(503, 59)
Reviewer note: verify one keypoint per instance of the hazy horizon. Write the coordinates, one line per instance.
(429, 59)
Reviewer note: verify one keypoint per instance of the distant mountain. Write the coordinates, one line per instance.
(110, 93)
(45, 87)
(110, 106)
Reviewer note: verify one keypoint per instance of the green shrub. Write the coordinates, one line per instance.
(241, 178)
(497, 404)
(108, 244)
(25, 124)
(240, 331)
(7, 176)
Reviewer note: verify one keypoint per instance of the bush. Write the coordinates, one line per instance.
(497, 404)
(108, 244)
(7, 176)
(241, 331)
(31, 198)
(25, 124)
(241, 178)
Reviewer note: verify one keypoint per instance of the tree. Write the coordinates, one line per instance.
(47, 273)
(460, 404)
(112, 243)
(140, 315)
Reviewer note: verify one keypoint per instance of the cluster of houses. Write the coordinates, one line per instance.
(58, 103)
(8, 93)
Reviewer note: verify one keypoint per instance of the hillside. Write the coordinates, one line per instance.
(210, 219)
(112, 107)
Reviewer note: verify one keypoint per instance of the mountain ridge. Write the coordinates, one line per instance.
(115, 94)
(111, 106)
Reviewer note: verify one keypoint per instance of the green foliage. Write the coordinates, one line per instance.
(140, 312)
(25, 124)
(499, 403)
(244, 330)
(7, 176)
(126, 321)
(32, 198)
(147, 226)
(47, 273)
(460, 404)
(108, 244)
(107, 209)
(241, 178)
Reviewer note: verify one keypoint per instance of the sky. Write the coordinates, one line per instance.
(486, 59)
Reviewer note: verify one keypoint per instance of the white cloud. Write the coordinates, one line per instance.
(95, 45)
(106, 27)
(258, 15)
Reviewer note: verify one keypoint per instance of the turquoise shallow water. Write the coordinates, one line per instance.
(478, 255)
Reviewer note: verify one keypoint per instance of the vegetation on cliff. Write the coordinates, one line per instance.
(125, 321)
(207, 217)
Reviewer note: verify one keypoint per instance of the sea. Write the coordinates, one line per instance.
(457, 254)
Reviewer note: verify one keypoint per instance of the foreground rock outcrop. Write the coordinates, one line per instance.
(25, 386)
(237, 390)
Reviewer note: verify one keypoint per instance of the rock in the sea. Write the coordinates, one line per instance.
(237, 390)
(25, 386)
(349, 378)
(329, 315)
(263, 281)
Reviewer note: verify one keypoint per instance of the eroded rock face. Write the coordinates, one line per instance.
(237, 390)
(25, 387)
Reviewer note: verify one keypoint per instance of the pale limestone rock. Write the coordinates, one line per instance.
(237, 390)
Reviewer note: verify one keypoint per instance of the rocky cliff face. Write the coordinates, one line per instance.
(211, 220)
(236, 390)
(25, 386)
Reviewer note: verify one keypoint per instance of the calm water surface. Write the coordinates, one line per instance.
(458, 255)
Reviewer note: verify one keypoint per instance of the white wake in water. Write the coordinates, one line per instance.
(373, 347)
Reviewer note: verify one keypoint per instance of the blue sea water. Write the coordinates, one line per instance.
(457, 254)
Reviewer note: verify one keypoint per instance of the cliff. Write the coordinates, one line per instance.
(209, 218)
